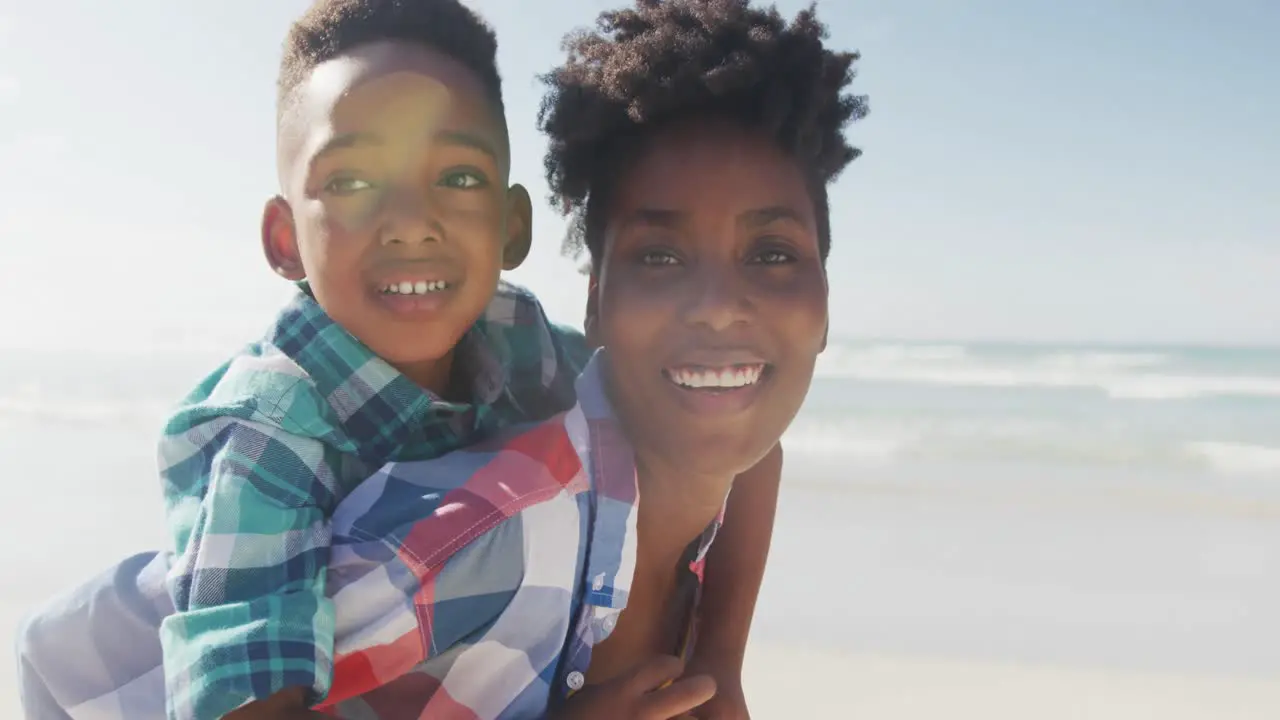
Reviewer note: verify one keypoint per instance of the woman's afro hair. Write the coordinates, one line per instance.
(663, 61)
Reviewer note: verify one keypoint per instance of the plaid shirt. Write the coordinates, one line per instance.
(473, 586)
(258, 457)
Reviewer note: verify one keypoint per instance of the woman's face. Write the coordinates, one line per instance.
(710, 297)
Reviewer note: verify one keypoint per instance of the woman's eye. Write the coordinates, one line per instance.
(463, 180)
(347, 186)
(656, 258)
(774, 257)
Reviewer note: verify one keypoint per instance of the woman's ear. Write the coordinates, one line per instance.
(591, 323)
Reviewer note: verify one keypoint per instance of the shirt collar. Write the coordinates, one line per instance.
(610, 461)
(380, 409)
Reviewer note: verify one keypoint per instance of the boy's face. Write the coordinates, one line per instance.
(711, 297)
(396, 209)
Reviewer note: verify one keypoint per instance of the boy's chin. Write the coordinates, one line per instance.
(412, 354)
(427, 365)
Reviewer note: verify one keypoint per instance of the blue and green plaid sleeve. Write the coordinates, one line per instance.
(571, 344)
(543, 358)
(249, 498)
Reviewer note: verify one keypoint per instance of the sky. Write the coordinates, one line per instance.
(1035, 170)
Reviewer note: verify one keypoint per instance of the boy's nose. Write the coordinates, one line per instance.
(409, 219)
(428, 232)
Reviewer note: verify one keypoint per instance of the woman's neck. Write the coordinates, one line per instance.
(676, 506)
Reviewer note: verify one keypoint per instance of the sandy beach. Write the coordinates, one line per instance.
(788, 683)
(784, 682)
(896, 602)
(980, 601)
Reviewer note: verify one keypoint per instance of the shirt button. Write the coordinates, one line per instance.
(575, 681)
(610, 622)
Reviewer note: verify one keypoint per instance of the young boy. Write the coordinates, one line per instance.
(396, 215)
(396, 219)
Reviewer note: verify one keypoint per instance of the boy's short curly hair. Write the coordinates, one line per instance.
(330, 28)
(664, 61)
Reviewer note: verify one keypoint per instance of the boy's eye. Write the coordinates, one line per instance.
(463, 180)
(656, 258)
(347, 186)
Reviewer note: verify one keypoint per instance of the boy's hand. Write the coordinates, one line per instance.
(640, 695)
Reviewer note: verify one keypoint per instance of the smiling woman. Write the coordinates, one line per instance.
(697, 180)
(692, 141)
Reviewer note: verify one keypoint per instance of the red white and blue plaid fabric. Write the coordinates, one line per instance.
(470, 586)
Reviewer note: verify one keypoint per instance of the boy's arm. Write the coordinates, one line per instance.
(249, 506)
(734, 570)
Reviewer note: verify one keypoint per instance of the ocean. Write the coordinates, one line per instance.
(1147, 411)
(1194, 410)
(1061, 506)
(995, 418)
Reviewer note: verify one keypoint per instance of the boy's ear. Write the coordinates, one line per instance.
(591, 324)
(280, 240)
(519, 227)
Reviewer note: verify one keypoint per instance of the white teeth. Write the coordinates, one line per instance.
(730, 377)
(421, 287)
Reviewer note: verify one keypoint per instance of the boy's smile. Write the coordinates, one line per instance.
(415, 290)
(396, 209)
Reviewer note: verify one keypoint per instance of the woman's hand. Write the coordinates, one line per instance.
(642, 694)
(729, 703)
